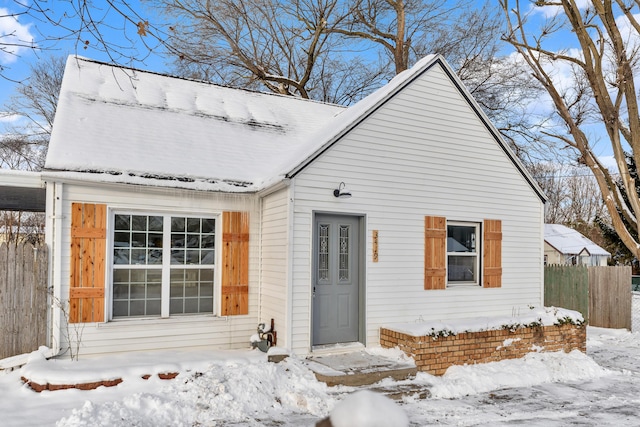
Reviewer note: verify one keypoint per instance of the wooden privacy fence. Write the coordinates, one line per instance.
(601, 294)
(23, 298)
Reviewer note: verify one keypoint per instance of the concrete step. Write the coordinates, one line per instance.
(358, 368)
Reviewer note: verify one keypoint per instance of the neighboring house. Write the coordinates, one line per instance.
(181, 214)
(566, 246)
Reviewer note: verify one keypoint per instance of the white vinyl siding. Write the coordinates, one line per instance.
(274, 265)
(193, 332)
(424, 152)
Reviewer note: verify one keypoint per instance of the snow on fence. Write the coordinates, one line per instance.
(23, 298)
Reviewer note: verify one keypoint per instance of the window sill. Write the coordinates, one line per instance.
(463, 285)
(115, 323)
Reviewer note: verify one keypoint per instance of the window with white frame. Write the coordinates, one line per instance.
(463, 262)
(163, 265)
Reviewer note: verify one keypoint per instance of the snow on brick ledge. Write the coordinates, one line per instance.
(435, 346)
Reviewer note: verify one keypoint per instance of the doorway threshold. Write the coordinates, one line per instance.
(338, 348)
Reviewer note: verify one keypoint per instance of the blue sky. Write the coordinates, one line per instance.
(17, 63)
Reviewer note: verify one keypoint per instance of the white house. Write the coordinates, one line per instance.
(181, 214)
(566, 246)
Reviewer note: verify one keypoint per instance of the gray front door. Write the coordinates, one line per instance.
(335, 279)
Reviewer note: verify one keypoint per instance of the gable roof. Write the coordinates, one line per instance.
(341, 124)
(125, 125)
(119, 124)
(568, 241)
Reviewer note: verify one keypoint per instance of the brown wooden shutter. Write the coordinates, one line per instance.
(235, 263)
(435, 252)
(88, 250)
(492, 254)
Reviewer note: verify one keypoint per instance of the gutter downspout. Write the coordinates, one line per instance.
(54, 205)
(290, 235)
(542, 266)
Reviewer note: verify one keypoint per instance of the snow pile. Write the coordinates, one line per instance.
(368, 409)
(546, 316)
(533, 369)
(232, 391)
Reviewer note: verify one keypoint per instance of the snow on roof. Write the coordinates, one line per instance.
(126, 125)
(116, 124)
(570, 242)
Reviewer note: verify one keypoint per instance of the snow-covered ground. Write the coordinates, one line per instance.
(242, 389)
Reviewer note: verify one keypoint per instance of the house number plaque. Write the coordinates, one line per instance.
(375, 245)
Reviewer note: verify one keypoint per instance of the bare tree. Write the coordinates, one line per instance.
(285, 47)
(37, 97)
(404, 29)
(25, 145)
(21, 152)
(600, 88)
(573, 194)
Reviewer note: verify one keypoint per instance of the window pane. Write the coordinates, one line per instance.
(191, 291)
(136, 308)
(177, 240)
(176, 306)
(206, 275)
(138, 256)
(461, 238)
(155, 256)
(177, 257)
(122, 222)
(155, 223)
(139, 276)
(193, 257)
(139, 240)
(461, 268)
(206, 257)
(153, 307)
(208, 225)
(206, 289)
(323, 252)
(191, 305)
(138, 223)
(121, 240)
(193, 240)
(177, 224)
(193, 225)
(207, 241)
(343, 268)
(121, 291)
(206, 305)
(136, 292)
(154, 290)
(120, 308)
(155, 240)
(121, 256)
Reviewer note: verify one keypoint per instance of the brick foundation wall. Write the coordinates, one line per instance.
(435, 354)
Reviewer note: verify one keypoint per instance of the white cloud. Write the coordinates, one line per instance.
(551, 11)
(9, 118)
(14, 36)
